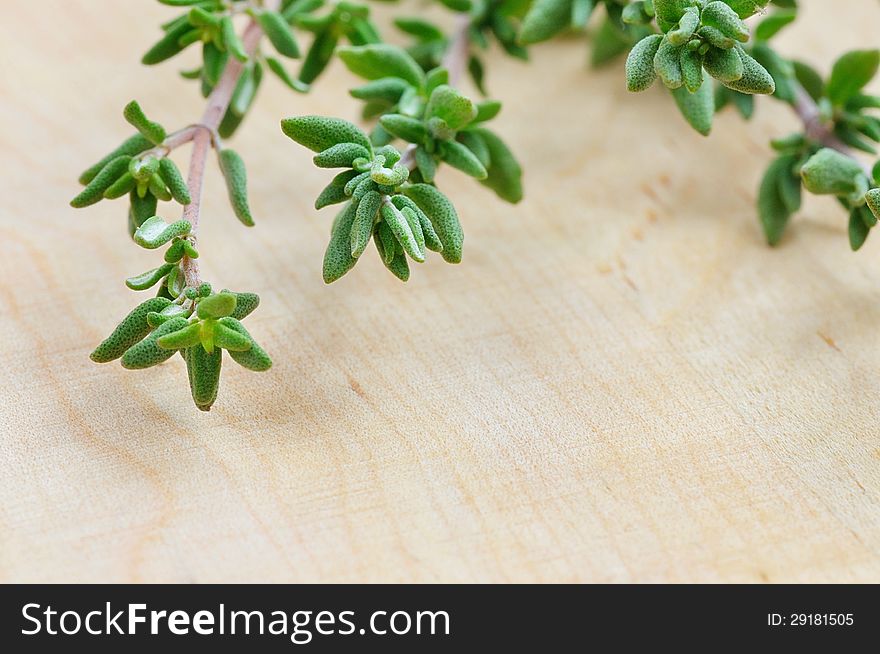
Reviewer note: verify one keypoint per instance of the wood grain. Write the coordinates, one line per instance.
(620, 382)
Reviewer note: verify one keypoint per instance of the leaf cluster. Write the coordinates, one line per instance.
(200, 328)
(391, 199)
(402, 219)
(138, 168)
(141, 169)
(697, 37)
(845, 112)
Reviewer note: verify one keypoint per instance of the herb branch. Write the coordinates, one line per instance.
(708, 54)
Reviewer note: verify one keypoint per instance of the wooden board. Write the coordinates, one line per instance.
(620, 383)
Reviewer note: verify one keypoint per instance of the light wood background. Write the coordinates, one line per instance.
(620, 383)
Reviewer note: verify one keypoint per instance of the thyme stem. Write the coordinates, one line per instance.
(203, 136)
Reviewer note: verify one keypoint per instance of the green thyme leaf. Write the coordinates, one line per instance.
(204, 375)
(235, 173)
(318, 133)
(147, 352)
(133, 328)
(155, 232)
(148, 279)
(381, 60)
(337, 258)
(135, 116)
(443, 218)
(254, 358)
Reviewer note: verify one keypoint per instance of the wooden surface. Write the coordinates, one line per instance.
(620, 382)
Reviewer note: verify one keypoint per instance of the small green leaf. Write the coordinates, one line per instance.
(691, 70)
(670, 11)
(171, 176)
(722, 17)
(120, 187)
(281, 73)
(459, 156)
(391, 253)
(171, 311)
(318, 133)
(688, 24)
(108, 175)
(235, 173)
(746, 8)
(229, 339)
(169, 45)
(341, 155)
(697, 108)
(724, 65)
(755, 80)
(147, 352)
(337, 258)
(667, 64)
(319, 55)
(381, 60)
(402, 231)
(609, 42)
(182, 338)
(216, 306)
(231, 41)
(139, 210)
(385, 242)
(858, 229)
(352, 185)
(419, 28)
(246, 90)
(487, 110)
(254, 358)
(450, 106)
(640, 72)
(133, 328)
(279, 33)
(715, 38)
(443, 217)
(152, 131)
(362, 228)
(388, 89)
(391, 154)
(245, 304)
(829, 172)
(457, 5)
(157, 187)
(851, 73)
(130, 147)
(770, 26)
(204, 375)
(581, 10)
(404, 127)
(772, 210)
(148, 279)
(504, 174)
(545, 19)
(384, 176)
(415, 226)
(334, 192)
(176, 252)
(476, 144)
(426, 164)
(872, 198)
(810, 79)
(430, 239)
(215, 63)
(155, 232)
